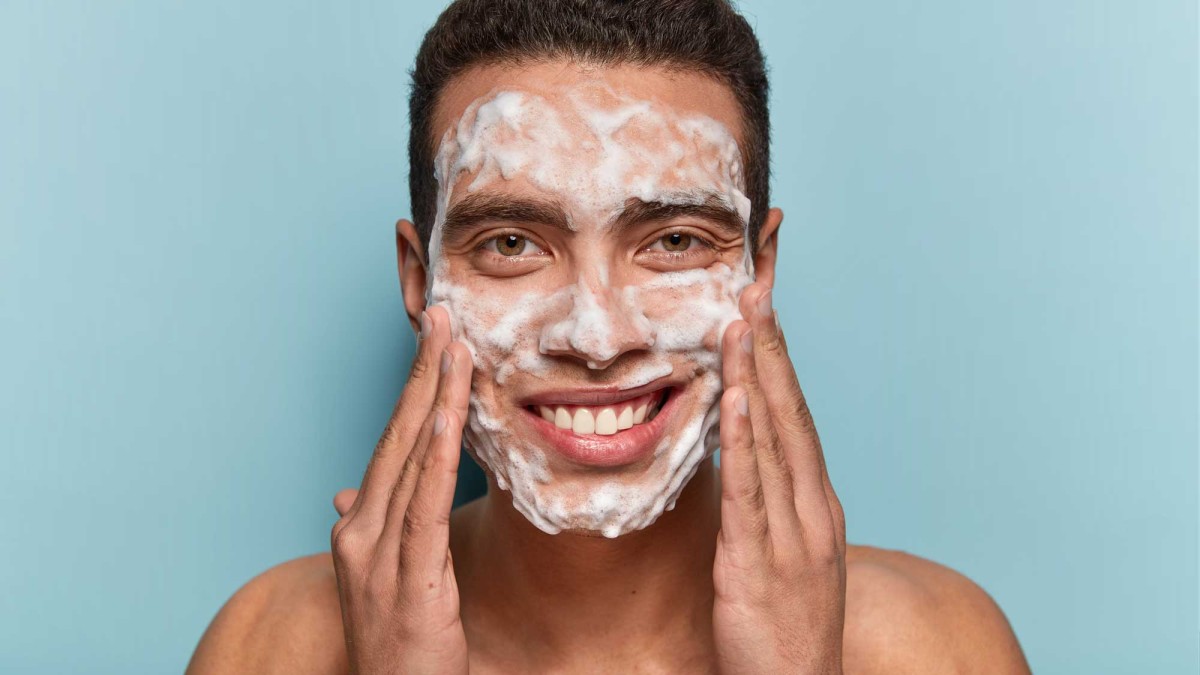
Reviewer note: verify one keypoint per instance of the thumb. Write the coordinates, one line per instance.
(344, 499)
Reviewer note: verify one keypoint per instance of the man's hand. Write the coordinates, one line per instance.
(780, 571)
(399, 598)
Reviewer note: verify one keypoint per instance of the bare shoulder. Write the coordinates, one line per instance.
(285, 620)
(906, 614)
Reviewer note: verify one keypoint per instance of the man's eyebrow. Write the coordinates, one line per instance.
(712, 209)
(474, 209)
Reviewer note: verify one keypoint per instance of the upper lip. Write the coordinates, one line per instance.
(596, 395)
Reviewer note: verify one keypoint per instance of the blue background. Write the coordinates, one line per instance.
(989, 274)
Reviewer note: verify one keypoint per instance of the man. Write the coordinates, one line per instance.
(590, 269)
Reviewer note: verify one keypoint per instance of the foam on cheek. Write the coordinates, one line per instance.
(495, 328)
(703, 302)
(593, 150)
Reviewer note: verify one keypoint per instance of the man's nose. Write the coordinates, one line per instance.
(602, 325)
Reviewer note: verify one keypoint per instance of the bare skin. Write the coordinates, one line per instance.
(749, 573)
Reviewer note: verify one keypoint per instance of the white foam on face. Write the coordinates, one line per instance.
(591, 149)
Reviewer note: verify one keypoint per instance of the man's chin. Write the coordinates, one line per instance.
(585, 533)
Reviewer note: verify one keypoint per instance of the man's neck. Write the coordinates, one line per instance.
(562, 597)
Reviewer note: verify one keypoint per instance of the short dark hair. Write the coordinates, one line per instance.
(705, 36)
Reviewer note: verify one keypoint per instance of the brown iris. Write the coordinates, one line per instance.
(510, 244)
(677, 241)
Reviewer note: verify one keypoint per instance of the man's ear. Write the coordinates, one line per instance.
(411, 265)
(768, 247)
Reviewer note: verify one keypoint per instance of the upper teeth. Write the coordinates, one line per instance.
(602, 420)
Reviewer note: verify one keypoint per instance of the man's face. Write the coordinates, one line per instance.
(590, 246)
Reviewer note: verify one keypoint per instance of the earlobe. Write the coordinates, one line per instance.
(411, 266)
(768, 241)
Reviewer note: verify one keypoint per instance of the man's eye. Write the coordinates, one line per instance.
(676, 242)
(511, 245)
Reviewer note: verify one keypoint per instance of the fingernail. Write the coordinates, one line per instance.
(748, 342)
(764, 304)
(742, 403)
(426, 326)
(445, 360)
(439, 422)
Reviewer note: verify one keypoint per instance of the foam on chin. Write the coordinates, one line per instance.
(510, 134)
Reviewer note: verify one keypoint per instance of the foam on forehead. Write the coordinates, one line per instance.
(594, 149)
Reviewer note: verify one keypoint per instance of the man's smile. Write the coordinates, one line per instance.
(602, 420)
(603, 427)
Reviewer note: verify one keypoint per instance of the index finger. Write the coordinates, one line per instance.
(776, 374)
(409, 413)
(781, 388)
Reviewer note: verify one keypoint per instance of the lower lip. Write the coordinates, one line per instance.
(621, 448)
